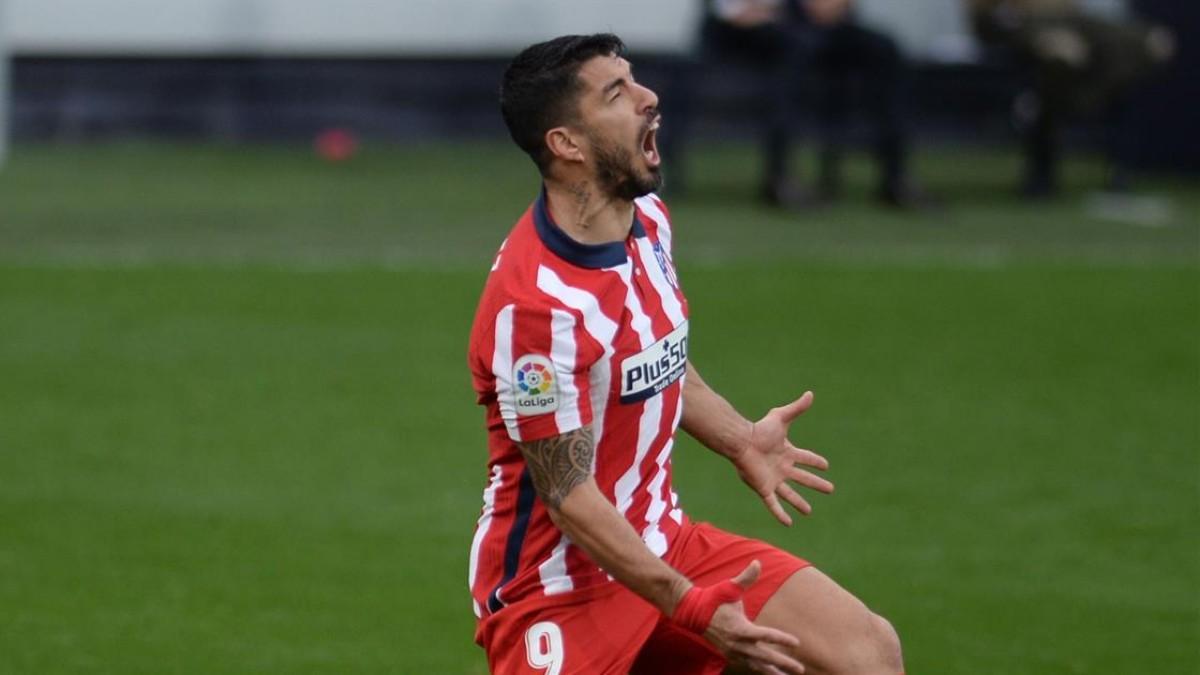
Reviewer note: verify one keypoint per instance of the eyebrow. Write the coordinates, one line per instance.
(620, 81)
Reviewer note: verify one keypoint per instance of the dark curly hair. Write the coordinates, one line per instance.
(541, 87)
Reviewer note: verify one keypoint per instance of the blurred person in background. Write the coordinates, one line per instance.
(794, 39)
(583, 559)
(1082, 64)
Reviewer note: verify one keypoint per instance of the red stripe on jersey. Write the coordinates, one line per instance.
(568, 335)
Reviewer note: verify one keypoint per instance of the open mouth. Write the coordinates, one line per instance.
(650, 143)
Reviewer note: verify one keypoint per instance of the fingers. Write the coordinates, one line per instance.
(762, 649)
(794, 409)
(788, 493)
(746, 578)
(768, 660)
(755, 633)
(776, 510)
(809, 480)
(809, 458)
(792, 497)
(765, 650)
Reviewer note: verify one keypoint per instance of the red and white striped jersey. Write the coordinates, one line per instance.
(570, 334)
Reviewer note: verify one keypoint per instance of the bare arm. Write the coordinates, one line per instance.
(560, 468)
(765, 459)
(710, 419)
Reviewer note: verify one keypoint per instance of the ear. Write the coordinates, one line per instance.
(564, 145)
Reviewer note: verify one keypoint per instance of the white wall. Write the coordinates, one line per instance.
(939, 30)
(927, 28)
(335, 26)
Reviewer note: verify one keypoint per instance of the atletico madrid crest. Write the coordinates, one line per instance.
(664, 263)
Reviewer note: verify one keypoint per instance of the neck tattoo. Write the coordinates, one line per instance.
(582, 194)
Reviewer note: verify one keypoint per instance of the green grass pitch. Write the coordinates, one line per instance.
(237, 434)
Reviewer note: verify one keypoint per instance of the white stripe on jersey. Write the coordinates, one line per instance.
(676, 513)
(502, 367)
(655, 540)
(671, 304)
(653, 536)
(553, 572)
(637, 319)
(599, 379)
(499, 253)
(562, 354)
(650, 206)
(481, 529)
(600, 327)
(666, 291)
(648, 425)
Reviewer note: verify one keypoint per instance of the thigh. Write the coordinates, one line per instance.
(832, 624)
(708, 555)
(598, 634)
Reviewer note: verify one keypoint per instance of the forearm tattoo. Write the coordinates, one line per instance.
(560, 463)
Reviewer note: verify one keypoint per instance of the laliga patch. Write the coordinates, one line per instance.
(656, 367)
(535, 385)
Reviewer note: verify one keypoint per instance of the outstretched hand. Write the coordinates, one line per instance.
(770, 460)
(746, 644)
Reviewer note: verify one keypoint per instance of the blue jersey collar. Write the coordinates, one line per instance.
(592, 256)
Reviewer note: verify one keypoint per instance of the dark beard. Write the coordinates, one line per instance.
(617, 176)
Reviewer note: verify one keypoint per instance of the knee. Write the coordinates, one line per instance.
(875, 650)
(887, 645)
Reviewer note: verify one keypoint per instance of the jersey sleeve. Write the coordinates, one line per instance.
(541, 364)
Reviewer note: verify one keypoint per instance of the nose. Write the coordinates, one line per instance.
(647, 99)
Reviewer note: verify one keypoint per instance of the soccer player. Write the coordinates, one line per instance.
(583, 559)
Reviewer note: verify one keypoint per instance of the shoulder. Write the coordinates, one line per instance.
(524, 276)
(653, 207)
(521, 288)
(511, 281)
(656, 218)
(654, 214)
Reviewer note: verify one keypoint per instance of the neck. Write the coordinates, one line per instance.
(586, 214)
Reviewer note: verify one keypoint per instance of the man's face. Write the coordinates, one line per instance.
(620, 119)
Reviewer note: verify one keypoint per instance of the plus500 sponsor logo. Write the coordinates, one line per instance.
(655, 368)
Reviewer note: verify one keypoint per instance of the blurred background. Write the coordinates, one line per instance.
(241, 243)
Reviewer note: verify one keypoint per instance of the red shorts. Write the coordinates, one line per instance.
(609, 629)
